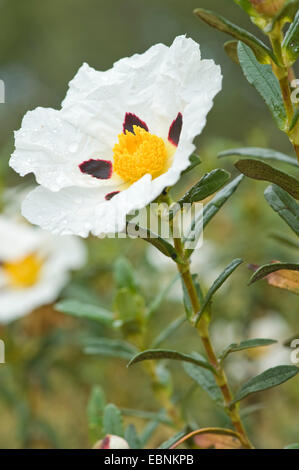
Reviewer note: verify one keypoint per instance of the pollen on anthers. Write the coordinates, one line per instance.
(137, 153)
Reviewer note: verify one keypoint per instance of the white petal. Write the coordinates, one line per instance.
(17, 240)
(52, 149)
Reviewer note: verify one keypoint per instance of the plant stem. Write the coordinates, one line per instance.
(203, 330)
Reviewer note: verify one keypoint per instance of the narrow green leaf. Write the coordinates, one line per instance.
(150, 354)
(132, 438)
(286, 206)
(265, 82)
(205, 379)
(109, 348)
(112, 421)
(172, 440)
(247, 344)
(231, 49)
(95, 407)
(217, 284)
(147, 432)
(210, 210)
(82, 310)
(267, 269)
(246, 6)
(267, 379)
(264, 172)
(294, 120)
(207, 185)
(262, 153)
(160, 243)
(194, 161)
(261, 51)
(168, 331)
(290, 45)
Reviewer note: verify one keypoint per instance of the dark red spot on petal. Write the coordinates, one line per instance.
(175, 130)
(101, 169)
(111, 195)
(105, 443)
(133, 120)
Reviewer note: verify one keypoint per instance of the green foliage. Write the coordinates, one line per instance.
(95, 408)
(265, 82)
(216, 285)
(290, 45)
(205, 379)
(85, 311)
(286, 207)
(112, 421)
(150, 354)
(262, 52)
(132, 438)
(261, 153)
(107, 347)
(264, 172)
(268, 379)
(246, 344)
(207, 185)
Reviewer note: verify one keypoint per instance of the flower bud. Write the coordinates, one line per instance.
(111, 442)
(268, 8)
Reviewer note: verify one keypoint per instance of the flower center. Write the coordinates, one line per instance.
(24, 272)
(139, 153)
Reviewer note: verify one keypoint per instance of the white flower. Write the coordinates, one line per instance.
(111, 442)
(34, 266)
(119, 139)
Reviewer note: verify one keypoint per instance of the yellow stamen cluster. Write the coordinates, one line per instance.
(140, 153)
(24, 272)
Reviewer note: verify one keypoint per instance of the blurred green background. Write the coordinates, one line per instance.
(46, 381)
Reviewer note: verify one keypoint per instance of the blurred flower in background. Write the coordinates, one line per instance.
(34, 265)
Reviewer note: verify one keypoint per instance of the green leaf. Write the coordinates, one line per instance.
(160, 243)
(292, 446)
(264, 172)
(207, 185)
(290, 45)
(109, 348)
(267, 379)
(211, 209)
(150, 354)
(247, 344)
(95, 407)
(286, 207)
(262, 153)
(246, 6)
(265, 82)
(148, 431)
(286, 15)
(267, 269)
(129, 307)
(132, 438)
(172, 440)
(168, 331)
(263, 54)
(124, 275)
(112, 421)
(205, 379)
(194, 161)
(231, 49)
(217, 284)
(82, 310)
